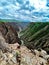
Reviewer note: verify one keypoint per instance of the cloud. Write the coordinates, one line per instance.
(26, 10)
(38, 4)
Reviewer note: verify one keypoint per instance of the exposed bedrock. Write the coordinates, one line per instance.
(9, 32)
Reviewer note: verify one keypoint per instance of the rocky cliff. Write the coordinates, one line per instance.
(9, 32)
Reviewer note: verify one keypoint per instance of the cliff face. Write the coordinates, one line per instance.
(9, 53)
(9, 33)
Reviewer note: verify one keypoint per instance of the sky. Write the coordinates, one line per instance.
(25, 10)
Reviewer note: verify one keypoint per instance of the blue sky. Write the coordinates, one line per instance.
(25, 10)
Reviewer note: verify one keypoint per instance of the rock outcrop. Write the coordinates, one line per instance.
(34, 57)
(24, 56)
(3, 45)
(9, 33)
(9, 53)
(9, 58)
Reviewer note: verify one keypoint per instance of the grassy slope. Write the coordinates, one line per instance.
(36, 35)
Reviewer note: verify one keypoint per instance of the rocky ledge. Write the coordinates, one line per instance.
(23, 56)
(33, 57)
(10, 58)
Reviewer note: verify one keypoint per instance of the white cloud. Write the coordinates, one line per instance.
(38, 4)
(27, 11)
(1, 8)
(17, 4)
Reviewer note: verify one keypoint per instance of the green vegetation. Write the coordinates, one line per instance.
(36, 35)
(9, 20)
